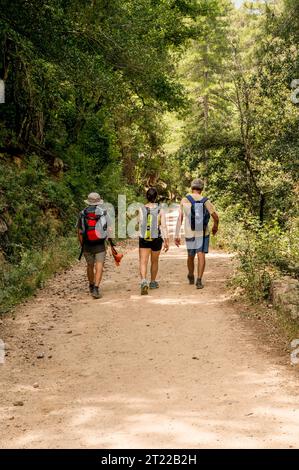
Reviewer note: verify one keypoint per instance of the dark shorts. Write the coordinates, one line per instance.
(197, 245)
(93, 258)
(154, 245)
(95, 253)
(94, 249)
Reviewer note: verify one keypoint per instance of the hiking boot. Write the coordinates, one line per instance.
(153, 285)
(191, 279)
(91, 287)
(96, 293)
(144, 287)
(199, 284)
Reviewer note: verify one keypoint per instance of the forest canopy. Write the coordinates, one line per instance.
(95, 91)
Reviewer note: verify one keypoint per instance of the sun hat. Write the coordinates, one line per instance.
(93, 199)
(197, 184)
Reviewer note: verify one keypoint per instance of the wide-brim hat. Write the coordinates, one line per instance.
(94, 199)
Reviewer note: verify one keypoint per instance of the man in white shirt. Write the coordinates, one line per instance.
(196, 210)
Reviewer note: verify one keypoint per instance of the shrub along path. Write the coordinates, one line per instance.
(178, 368)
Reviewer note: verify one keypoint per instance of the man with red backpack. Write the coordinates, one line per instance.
(196, 210)
(93, 228)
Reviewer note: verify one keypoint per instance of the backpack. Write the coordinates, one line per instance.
(94, 225)
(200, 215)
(150, 223)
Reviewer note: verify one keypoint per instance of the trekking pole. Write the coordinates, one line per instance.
(81, 252)
(112, 244)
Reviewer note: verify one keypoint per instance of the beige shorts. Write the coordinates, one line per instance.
(92, 258)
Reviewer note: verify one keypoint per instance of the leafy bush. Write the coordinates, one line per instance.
(36, 207)
(264, 252)
(35, 267)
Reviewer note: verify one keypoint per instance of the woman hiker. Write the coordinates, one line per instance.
(153, 235)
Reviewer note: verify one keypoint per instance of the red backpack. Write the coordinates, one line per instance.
(94, 225)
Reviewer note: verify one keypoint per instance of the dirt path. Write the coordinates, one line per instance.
(178, 368)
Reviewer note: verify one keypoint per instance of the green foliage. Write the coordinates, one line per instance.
(87, 83)
(241, 134)
(34, 268)
(35, 208)
(264, 252)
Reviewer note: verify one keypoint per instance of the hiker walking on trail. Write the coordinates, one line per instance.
(93, 228)
(153, 234)
(196, 210)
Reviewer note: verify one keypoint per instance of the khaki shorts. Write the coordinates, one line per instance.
(92, 258)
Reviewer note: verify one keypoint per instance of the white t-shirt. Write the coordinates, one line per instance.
(185, 208)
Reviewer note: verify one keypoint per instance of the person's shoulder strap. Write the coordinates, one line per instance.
(158, 208)
(204, 200)
(190, 198)
(87, 210)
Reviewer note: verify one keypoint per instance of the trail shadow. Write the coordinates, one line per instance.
(145, 374)
(158, 418)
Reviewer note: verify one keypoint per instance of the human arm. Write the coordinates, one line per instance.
(79, 231)
(164, 230)
(180, 219)
(80, 236)
(215, 217)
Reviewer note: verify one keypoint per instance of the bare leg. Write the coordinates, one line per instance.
(154, 264)
(144, 254)
(201, 264)
(98, 273)
(190, 264)
(90, 273)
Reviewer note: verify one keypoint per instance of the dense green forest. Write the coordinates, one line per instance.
(96, 91)
(242, 132)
